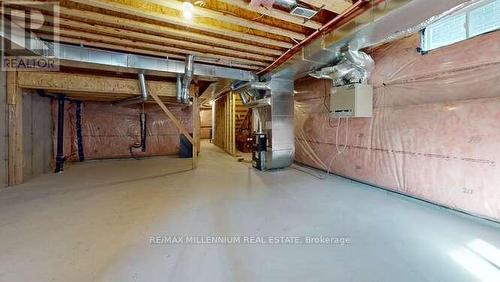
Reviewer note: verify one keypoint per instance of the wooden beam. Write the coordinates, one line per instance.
(227, 18)
(15, 117)
(64, 32)
(91, 84)
(336, 6)
(172, 117)
(168, 19)
(187, 46)
(125, 23)
(274, 13)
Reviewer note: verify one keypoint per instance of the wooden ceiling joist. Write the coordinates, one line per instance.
(223, 32)
(224, 17)
(336, 6)
(124, 23)
(120, 33)
(145, 45)
(168, 19)
(274, 13)
(136, 50)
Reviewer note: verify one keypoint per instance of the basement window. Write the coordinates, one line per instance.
(470, 23)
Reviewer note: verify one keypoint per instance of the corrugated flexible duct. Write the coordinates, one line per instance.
(351, 67)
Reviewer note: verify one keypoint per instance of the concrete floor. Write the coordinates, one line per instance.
(94, 223)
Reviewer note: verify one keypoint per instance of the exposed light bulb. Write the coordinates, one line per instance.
(187, 10)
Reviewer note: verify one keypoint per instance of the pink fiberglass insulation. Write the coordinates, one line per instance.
(108, 130)
(435, 133)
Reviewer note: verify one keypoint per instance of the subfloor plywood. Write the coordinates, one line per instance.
(94, 223)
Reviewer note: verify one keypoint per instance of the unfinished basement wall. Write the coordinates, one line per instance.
(108, 131)
(224, 134)
(435, 133)
(3, 131)
(206, 123)
(37, 133)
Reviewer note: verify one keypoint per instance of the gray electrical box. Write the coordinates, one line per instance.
(354, 100)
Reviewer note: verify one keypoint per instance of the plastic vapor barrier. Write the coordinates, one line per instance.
(435, 133)
(108, 131)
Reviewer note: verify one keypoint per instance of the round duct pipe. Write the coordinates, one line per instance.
(287, 4)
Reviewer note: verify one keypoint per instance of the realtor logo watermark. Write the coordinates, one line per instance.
(30, 35)
(249, 240)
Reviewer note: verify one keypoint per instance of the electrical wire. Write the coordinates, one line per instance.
(340, 152)
(346, 146)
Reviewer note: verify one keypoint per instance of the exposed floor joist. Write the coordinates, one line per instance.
(189, 37)
(120, 33)
(336, 6)
(222, 32)
(120, 41)
(75, 37)
(274, 13)
(212, 51)
(216, 15)
(125, 9)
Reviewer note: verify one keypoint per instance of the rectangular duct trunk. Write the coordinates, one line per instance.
(277, 123)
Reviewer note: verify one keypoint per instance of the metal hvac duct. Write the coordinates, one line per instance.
(30, 44)
(179, 88)
(254, 85)
(287, 4)
(273, 108)
(135, 100)
(186, 80)
(277, 122)
(249, 91)
(144, 89)
(382, 23)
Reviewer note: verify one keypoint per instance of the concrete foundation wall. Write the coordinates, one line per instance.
(37, 135)
(3, 131)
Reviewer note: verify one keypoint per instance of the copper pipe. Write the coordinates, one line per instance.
(353, 10)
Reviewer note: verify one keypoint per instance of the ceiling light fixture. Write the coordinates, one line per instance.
(187, 10)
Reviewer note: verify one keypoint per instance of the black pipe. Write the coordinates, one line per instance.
(60, 158)
(79, 137)
(144, 130)
(144, 134)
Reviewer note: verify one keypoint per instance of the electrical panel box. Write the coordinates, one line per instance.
(354, 100)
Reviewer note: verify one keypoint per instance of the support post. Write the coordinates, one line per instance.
(15, 117)
(233, 124)
(196, 118)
